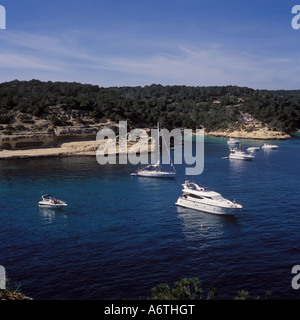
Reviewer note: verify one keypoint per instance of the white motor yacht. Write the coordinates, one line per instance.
(269, 146)
(253, 149)
(49, 202)
(156, 170)
(233, 141)
(201, 199)
(240, 155)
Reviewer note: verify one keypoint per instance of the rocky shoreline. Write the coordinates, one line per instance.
(87, 144)
(253, 130)
(259, 135)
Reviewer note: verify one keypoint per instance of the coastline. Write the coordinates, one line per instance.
(76, 148)
(89, 147)
(256, 135)
(259, 133)
(250, 130)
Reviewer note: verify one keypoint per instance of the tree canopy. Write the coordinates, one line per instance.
(214, 107)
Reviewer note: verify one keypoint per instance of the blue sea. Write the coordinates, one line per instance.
(121, 235)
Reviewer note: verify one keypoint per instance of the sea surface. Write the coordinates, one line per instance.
(121, 235)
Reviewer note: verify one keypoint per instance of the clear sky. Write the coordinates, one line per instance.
(170, 42)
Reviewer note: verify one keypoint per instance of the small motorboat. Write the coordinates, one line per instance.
(239, 154)
(269, 146)
(253, 149)
(233, 141)
(50, 202)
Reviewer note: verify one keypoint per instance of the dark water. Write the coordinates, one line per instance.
(120, 235)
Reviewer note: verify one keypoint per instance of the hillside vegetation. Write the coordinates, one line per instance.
(43, 106)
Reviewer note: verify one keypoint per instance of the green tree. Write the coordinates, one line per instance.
(186, 289)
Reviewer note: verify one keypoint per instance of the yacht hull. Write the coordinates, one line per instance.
(196, 205)
(240, 158)
(270, 148)
(155, 174)
(253, 149)
(45, 204)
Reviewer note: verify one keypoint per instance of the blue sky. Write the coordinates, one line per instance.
(129, 42)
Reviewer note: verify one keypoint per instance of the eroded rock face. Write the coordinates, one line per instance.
(75, 131)
(26, 141)
(46, 140)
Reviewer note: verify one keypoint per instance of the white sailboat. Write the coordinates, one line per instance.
(156, 170)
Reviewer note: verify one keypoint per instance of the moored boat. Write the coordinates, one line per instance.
(253, 149)
(50, 202)
(240, 155)
(233, 141)
(156, 170)
(201, 199)
(269, 146)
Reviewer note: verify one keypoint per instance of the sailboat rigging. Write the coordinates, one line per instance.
(156, 170)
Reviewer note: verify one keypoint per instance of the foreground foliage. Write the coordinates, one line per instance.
(191, 289)
(12, 293)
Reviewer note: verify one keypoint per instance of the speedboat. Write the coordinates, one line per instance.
(232, 141)
(156, 170)
(269, 146)
(240, 155)
(201, 199)
(253, 149)
(49, 202)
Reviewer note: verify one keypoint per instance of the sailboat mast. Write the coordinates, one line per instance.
(158, 144)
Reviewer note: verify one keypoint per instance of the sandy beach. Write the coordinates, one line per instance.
(78, 148)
